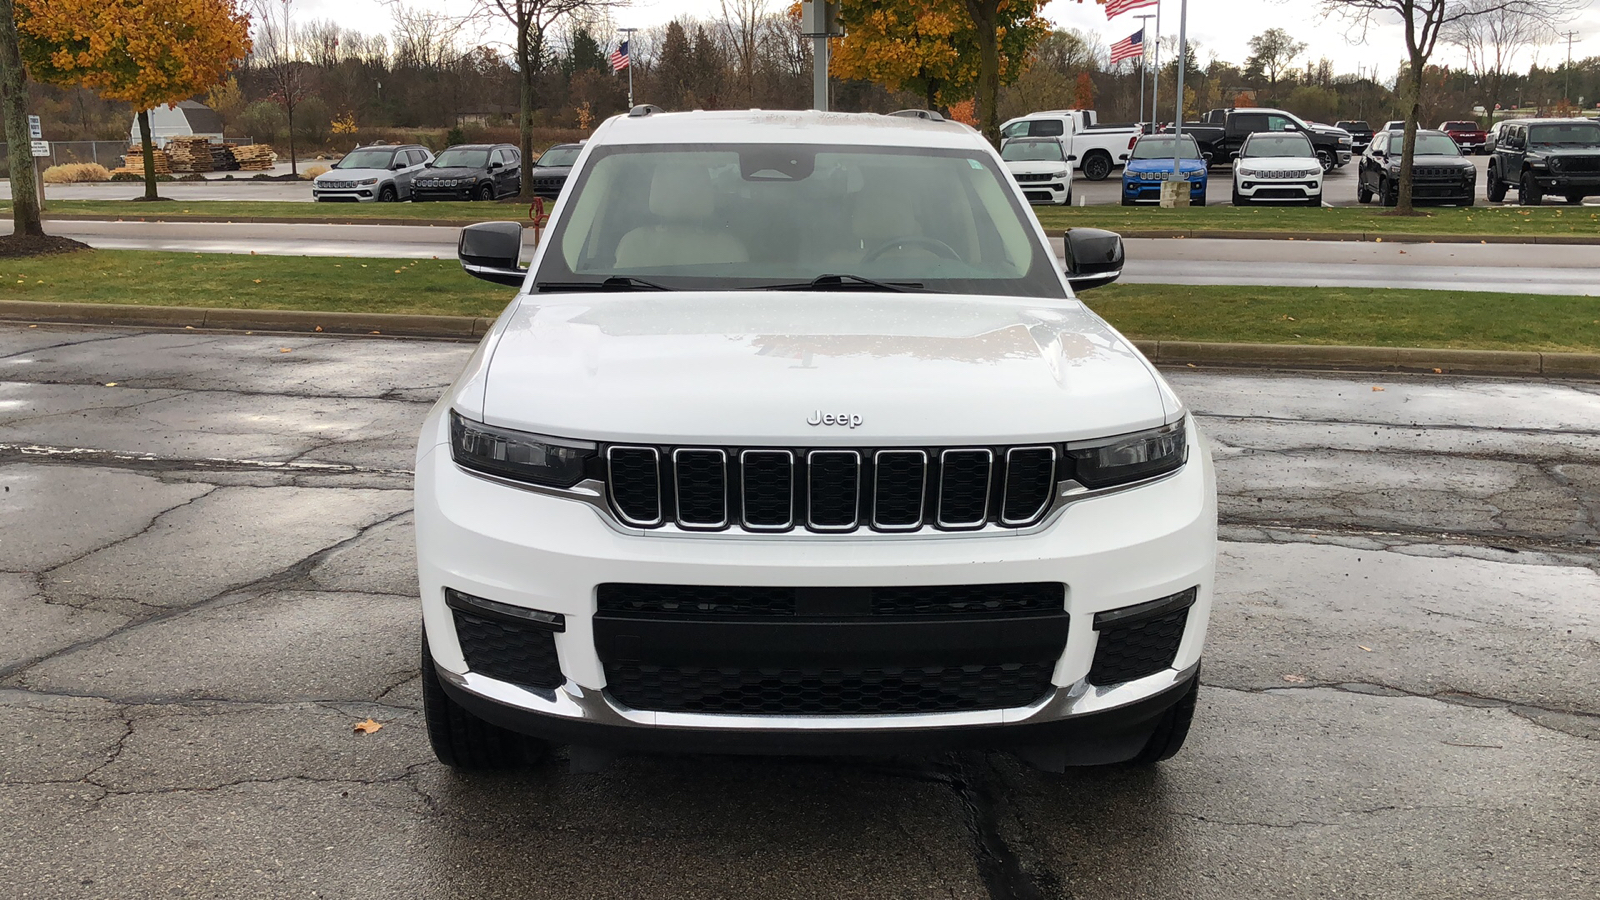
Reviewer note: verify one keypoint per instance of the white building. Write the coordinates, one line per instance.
(182, 120)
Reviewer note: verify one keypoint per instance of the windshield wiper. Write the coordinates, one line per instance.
(614, 283)
(844, 282)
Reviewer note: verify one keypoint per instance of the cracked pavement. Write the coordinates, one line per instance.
(206, 578)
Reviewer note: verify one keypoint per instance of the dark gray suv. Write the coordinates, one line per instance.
(471, 172)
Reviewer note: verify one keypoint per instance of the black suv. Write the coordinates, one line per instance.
(471, 172)
(550, 172)
(1438, 170)
(1360, 133)
(1546, 156)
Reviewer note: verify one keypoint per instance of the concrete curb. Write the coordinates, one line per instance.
(267, 220)
(1165, 353)
(1361, 236)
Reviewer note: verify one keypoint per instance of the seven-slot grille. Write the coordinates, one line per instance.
(1037, 177)
(831, 490)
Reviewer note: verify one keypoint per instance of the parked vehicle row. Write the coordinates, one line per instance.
(1152, 162)
(1278, 167)
(389, 173)
(1041, 167)
(1438, 171)
(1094, 149)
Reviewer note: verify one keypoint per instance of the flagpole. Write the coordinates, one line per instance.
(1143, 20)
(629, 41)
(1183, 61)
(1155, 85)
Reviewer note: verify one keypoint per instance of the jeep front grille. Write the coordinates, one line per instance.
(831, 490)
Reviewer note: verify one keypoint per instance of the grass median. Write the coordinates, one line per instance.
(245, 210)
(1544, 221)
(1275, 315)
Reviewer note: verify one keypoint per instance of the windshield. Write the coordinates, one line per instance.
(1434, 145)
(366, 159)
(1032, 151)
(466, 159)
(730, 217)
(1355, 126)
(1461, 126)
(1267, 146)
(1568, 134)
(559, 156)
(1154, 147)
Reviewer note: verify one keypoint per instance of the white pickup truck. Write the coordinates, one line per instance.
(1095, 149)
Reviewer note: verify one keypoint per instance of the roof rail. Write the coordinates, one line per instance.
(928, 114)
(644, 109)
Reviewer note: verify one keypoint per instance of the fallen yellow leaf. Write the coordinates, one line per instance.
(1376, 388)
(111, 384)
(1297, 679)
(368, 727)
(283, 349)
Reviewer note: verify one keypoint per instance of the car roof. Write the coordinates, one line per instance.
(786, 127)
(1549, 120)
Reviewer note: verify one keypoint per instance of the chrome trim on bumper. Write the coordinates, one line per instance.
(576, 703)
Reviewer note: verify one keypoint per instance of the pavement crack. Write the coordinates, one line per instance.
(1003, 872)
(93, 340)
(1453, 697)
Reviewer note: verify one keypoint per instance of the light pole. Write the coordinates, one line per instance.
(1567, 92)
(1155, 86)
(628, 40)
(1183, 63)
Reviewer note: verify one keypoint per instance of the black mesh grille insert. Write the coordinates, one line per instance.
(767, 479)
(979, 600)
(829, 691)
(636, 484)
(702, 485)
(834, 481)
(1030, 481)
(674, 600)
(899, 482)
(1138, 648)
(964, 487)
(507, 651)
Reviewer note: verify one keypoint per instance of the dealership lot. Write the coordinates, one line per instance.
(207, 581)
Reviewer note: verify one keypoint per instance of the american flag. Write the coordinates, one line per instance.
(1116, 8)
(1128, 48)
(619, 57)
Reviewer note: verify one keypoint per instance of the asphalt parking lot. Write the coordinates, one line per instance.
(207, 581)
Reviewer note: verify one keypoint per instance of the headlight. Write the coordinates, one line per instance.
(1248, 173)
(368, 181)
(1129, 457)
(1066, 174)
(517, 455)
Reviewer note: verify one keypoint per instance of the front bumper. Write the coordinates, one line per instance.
(1554, 183)
(1046, 192)
(1137, 190)
(367, 193)
(539, 552)
(1257, 188)
(463, 192)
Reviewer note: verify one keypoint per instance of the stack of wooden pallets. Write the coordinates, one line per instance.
(136, 161)
(190, 154)
(255, 157)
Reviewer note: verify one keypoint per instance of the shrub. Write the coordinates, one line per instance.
(264, 120)
(126, 176)
(455, 136)
(310, 172)
(72, 173)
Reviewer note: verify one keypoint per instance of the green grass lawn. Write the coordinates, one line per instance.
(1545, 220)
(209, 210)
(1362, 316)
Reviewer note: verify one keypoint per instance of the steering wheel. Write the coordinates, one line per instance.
(938, 247)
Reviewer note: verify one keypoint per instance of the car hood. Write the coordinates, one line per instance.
(1433, 159)
(1548, 152)
(551, 170)
(1157, 166)
(1037, 167)
(1279, 163)
(754, 367)
(353, 174)
(451, 172)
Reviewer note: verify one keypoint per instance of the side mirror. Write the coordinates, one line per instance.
(1094, 257)
(489, 250)
(496, 166)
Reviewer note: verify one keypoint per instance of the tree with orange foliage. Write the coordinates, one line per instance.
(1083, 95)
(142, 52)
(942, 49)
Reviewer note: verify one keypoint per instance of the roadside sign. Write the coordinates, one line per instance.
(41, 148)
(35, 130)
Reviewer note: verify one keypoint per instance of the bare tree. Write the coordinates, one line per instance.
(743, 27)
(1424, 22)
(1272, 52)
(531, 21)
(1494, 36)
(273, 52)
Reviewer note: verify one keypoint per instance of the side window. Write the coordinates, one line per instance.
(1279, 123)
(1046, 128)
(1015, 129)
(1247, 123)
(1380, 144)
(411, 157)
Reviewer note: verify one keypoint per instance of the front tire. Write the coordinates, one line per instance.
(387, 194)
(486, 192)
(460, 739)
(1575, 199)
(1390, 192)
(1528, 191)
(1494, 188)
(1362, 194)
(1314, 201)
(1097, 167)
(1240, 199)
(1171, 730)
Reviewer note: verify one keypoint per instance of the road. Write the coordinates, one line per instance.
(1538, 269)
(209, 580)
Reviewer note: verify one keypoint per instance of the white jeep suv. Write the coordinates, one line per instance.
(796, 439)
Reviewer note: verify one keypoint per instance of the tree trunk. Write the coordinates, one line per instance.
(1408, 150)
(149, 155)
(984, 15)
(525, 111)
(288, 113)
(14, 101)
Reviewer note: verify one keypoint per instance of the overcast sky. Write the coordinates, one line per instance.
(1219, 27)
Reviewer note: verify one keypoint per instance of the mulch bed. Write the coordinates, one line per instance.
(15, 246)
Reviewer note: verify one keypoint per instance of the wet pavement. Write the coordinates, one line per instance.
(206, 580)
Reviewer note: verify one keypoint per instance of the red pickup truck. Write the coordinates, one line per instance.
(1467, 135)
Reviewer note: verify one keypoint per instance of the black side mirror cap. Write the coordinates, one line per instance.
(490, 250)
(1094, 257)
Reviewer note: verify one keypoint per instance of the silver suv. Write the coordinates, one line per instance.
(381, 173)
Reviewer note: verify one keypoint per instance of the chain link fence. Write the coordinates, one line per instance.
(110, 154)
